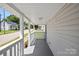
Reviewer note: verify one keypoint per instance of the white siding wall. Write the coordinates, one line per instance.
(7, 26)
(63, 31)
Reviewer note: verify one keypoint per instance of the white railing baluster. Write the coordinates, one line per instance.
(1, 55)
(15, 50)
(5, 53)
(11, 51)
(20, 49)
(8, 52)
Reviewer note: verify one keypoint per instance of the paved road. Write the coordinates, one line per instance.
(9, 37)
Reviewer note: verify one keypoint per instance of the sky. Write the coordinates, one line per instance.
(7, 13)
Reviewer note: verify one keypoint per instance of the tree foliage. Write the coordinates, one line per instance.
(26, 25)
(36, 27)
(13, 18)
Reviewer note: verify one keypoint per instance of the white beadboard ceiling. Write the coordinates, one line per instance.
(39, 13)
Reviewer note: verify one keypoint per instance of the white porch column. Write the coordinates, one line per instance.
(29, 39)
(33, 26)
(21, 35)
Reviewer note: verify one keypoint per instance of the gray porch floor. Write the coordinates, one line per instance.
(41, 49)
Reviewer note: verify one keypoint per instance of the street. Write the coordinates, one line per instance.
(9, 37)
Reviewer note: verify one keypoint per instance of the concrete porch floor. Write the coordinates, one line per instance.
(41, 49)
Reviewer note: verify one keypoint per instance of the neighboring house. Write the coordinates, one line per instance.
(41, 27)
(9, 26)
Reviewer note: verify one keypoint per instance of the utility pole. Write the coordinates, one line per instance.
(0, 22)
(4, 19)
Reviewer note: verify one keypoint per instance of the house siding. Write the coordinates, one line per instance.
(63, 31)
(7, 26)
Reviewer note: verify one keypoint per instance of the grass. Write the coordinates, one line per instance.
(7, 32)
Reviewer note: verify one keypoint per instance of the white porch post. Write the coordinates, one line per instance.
(34, 27)
(29, 39)
(22, 35)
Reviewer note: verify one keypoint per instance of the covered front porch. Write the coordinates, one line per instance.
(37, 45)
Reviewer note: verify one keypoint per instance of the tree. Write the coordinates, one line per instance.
(26, 25)
(36, 27)
(31, 26)
(13, 18)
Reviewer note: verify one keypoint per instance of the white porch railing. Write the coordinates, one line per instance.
(37, 35)
(12, 49)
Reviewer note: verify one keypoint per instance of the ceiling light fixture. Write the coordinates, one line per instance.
(40, 18)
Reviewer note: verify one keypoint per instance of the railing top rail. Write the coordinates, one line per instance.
(9, 44)
(35, 31)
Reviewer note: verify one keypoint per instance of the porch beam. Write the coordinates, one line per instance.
(33, 26)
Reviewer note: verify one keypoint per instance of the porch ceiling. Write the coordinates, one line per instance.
(39, 13)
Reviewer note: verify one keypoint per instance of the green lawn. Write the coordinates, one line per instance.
(7, 32)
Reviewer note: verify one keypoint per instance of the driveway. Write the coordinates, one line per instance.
(9, 37)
